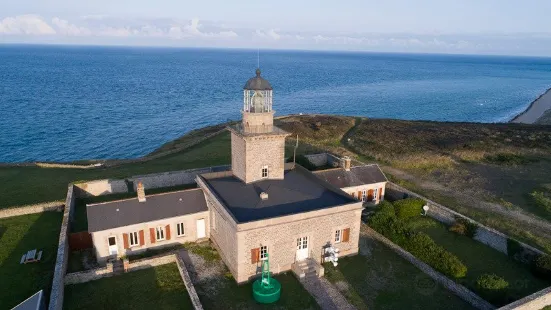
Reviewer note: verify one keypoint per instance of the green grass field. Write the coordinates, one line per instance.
(380, 279)
(17, 236)
(153, 288)
(27, 185)
(481, 259)
(226, 294)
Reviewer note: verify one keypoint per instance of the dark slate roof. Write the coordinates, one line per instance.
(35, 302)
(298, 192)
(358, 175)
(126, 212)
(257, 83)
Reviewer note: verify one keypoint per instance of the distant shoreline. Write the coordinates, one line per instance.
(535, 110)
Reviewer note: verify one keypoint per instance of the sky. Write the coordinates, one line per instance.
(506, 27)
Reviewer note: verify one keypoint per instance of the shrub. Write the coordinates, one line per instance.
(464, 227)
(424, 248)
(491, 282)
(542, 266)
(542, 200)
(408, 208)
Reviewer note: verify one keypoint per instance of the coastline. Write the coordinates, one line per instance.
(535, 110)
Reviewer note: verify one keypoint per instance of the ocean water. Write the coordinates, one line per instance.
(60, 103)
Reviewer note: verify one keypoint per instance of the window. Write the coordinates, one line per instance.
(134, 241)
(375, 193)
(264, 252)
(364, 195)
(180, 229)
(160, 233)
(112, 241)
(338, 236)
(265, 171)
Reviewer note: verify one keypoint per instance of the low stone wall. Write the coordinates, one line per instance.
(189, 285)
(323, 159)
(58, 285)
(89, 275)
(31, 209)
(454, 287)
(484, 234)
(153, 261)
(538, 300)
(173, 178)
(155, 180)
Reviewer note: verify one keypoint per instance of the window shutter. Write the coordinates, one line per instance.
(370, 194)
(167, 230)
(125, 240)
(381, 193)
(152, 234)
(142, 237)
(360, 195)
(255, 255)
(346, 235)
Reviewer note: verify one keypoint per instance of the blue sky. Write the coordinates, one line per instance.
(444, 26)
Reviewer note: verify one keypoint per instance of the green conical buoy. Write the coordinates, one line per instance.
(266, 290)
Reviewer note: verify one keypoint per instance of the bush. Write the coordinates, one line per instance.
(542, 266)
(491, 282)
(408, 208)
(424, 248)
(464, 227)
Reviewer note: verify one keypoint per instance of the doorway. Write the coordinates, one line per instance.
(302, 248)
(201, 229)
(112, 242)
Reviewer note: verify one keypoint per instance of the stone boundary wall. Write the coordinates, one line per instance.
(154, 180)
(158, 260)
(486, 235)
(31, 209)
(538, 300)
(89, 275)
(454, 287)
(323, 159)
(58, 286)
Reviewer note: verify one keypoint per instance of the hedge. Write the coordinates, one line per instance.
(386, 222)
(542, 266)
(464, 227)
(408, 208)
(491, 282)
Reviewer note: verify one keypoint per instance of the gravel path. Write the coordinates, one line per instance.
(327, 296)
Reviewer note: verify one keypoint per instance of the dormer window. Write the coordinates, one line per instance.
(265, 172)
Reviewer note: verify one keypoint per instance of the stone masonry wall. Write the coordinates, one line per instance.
(484, 234)
(451, 285)
(154, 180)
(31, 209)
(264, 151)
(58, 287)
(89, 275)
(238, 156)
(324, 159)
(281, 240)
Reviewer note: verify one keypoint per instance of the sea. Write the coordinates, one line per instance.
(66, 103)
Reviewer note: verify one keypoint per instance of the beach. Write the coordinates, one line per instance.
(536, 110)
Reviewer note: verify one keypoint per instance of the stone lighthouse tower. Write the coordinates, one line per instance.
(258, 147)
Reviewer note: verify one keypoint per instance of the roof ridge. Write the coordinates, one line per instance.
(132, 198)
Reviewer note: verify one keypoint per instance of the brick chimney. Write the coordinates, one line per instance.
(141, 192)
(346, 163)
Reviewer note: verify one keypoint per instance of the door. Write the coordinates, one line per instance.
(112, 242)
(302, 248)
(201, 229)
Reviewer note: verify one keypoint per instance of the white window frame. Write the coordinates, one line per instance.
(375, 194)
(133, 239)
(263, 252)
(364, 195)
(180, 230)
(160, 231)
(338, 236)
(265, 168)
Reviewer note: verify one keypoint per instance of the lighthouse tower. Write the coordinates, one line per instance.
(258, 147)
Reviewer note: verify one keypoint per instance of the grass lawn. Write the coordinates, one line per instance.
(228, 295)
(481, 259)
(48, 184)
(380, 279)
(153, 288)
(17, 236)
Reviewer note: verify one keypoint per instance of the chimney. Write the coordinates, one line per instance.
(346, 162)
(264, 196)
(141, 192)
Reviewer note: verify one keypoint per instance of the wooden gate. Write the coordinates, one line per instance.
(80, 241)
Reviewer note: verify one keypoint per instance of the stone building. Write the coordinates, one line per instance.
(261, 206)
